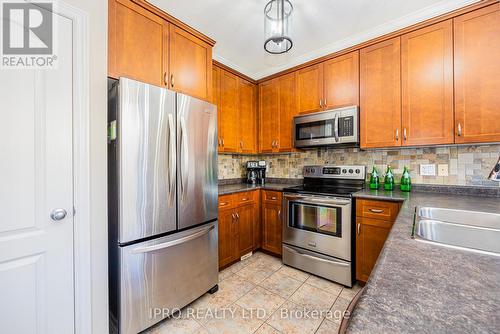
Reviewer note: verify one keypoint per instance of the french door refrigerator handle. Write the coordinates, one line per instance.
(184, 158)
(171, 158)
(172, 243)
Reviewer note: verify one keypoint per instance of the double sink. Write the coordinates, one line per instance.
(468, 230)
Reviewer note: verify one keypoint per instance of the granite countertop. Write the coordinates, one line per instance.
(419, 287)
(239, 187)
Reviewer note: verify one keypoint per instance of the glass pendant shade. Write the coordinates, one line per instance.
(277, 26)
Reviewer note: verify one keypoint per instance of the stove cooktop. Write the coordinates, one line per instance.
(323, 190)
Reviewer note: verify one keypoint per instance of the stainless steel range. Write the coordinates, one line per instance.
(318, 224)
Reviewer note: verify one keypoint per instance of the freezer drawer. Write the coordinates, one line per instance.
(169, 272)
(318, 264)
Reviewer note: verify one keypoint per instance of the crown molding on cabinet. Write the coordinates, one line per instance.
(413, 21)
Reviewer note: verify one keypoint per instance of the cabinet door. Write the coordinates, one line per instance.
(248, 117)
(341, 80)
(370, 238)
(287, 110)
(227, 237)
(477, 75)
(229, 113)
(216, 100)
(271, 229)
(268, 109)
(427, 85)
(380, 89)
(310, 89)
(190, 64)
(246, 222)
(137, 43)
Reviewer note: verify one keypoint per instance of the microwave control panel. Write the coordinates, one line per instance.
(346, 126)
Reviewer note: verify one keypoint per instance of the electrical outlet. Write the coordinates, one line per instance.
(443, 170)
(428, 170)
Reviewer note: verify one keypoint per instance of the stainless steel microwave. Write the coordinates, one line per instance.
(327, 128)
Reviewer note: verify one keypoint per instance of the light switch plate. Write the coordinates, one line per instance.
(443, 170)
(428, 170)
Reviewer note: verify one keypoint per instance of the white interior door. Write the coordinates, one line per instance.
(36, 252)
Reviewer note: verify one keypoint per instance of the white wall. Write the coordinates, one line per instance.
(98, 27)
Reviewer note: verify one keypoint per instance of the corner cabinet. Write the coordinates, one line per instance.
(477, 75)
(239, 225)
(236, 100)
(144, 46)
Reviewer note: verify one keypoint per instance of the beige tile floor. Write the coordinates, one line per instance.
(261, 295)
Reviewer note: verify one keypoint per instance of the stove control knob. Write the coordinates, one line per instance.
(313, 170)
(351, 171)
(308, 170)
(358, 171)
(344, 171)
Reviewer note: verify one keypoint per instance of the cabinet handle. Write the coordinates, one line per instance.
(218, 140)
(241, 144)
(165, 79)
(397, 134)
(359, 226)
(172, 80)
(222, 141)
(273, 198)
(376, 210)
(459, 130)
(234, 217)
(404, 134)
(244, 199)
(223, 203)
(237, 216)
(279, 214)
(324, 103)
(320, 103)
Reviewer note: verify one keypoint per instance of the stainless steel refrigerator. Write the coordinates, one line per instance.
(162, 199)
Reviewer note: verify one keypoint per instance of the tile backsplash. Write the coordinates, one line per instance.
(467, 165)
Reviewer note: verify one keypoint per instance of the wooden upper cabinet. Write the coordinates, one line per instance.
(137, 43)
(380, 94)
(190, 64)
(341, 81)
(268, 109)
(477, 75)
(427, 85)
(229, 112)
(309, 89)
(247, 117)
(287, 110)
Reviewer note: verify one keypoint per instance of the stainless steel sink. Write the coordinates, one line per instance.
(470, 230)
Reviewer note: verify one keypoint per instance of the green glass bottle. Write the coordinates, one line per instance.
(389, 179)
(374, 180)
(406, 180)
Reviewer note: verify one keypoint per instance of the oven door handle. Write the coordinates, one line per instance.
(307, 200)
(336, 128)
(318, 258)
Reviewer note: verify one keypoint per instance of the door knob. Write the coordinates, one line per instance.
(58, 214)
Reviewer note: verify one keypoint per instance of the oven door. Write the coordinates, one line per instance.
(318, 223)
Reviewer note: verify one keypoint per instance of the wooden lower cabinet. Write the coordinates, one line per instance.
(239, 216)
(374, 221)
(271, 222)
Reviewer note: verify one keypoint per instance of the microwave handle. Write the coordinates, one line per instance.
(336, 128)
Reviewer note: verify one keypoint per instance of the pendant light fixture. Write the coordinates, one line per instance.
(277, 26)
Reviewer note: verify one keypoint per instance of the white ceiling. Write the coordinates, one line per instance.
(319, 27)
